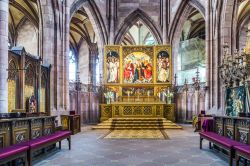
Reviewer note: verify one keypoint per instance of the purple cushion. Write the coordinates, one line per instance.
(12, 150)
(244, 149)
(227, 142)
(208, 125)
(45, 139)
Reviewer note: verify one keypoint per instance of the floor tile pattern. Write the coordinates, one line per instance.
(89, 149)
(135, 134)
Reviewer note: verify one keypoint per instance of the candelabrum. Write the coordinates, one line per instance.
(234, 69)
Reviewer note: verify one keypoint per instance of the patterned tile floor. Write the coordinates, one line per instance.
(89, 149)
(135, 134)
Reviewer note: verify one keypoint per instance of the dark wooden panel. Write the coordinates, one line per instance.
(236, 128)
(17, 130)
(5, 134)
(71, 123)
(20, 131)
(36, 126)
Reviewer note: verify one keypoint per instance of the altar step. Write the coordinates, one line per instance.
(137, 123)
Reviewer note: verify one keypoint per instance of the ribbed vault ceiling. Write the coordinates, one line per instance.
(19, 12)
(81, 30)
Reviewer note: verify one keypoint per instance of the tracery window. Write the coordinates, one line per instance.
(72, 66)
(139, 34)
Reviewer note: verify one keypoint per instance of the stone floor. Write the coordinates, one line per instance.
(89, 149)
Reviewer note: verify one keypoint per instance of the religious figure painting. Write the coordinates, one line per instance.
(235, 100)
(112, 66)
(137, 68)
(138, 91)
(163, 67)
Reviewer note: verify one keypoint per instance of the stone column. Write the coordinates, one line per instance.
(112, 22)
(66, 55)
(48, 50)
(4, 12)
(165, 20)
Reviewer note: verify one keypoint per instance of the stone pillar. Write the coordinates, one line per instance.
(66, 55)
(112, 22)
(4, 13)
(48, 49)
(209, 26)
(165, 20)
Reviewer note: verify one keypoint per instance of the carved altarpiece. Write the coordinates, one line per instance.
(136, 74)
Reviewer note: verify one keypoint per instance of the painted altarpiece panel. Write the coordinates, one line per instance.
(112, 64)
(163, 63)
(137, 64)
(235, 100)
(142, 69)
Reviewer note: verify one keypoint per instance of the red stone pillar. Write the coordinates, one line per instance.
(4, 12)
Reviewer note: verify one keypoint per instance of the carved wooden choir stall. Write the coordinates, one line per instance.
(25, 139)
(229, 134)
(28, 83)
(27, 132)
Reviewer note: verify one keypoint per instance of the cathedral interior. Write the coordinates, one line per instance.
(124, 82)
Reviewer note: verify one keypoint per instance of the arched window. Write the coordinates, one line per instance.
(192, 53)
(98, 71)
(72, 66)
(139, 34)
(244, 26)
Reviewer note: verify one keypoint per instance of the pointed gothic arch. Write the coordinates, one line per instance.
(196, 4)
(183, 10)
(95, 17)
(243, 19)
(131, 19)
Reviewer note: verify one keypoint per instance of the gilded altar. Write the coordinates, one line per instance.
(137, 109)
(137, 81)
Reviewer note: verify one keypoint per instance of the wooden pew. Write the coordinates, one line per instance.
(231, 134)
(36, 133)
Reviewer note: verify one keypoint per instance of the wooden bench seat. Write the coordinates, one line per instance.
(11, 153)
(45, 141)
(242, 151)
(226, 143)
(56, 137)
